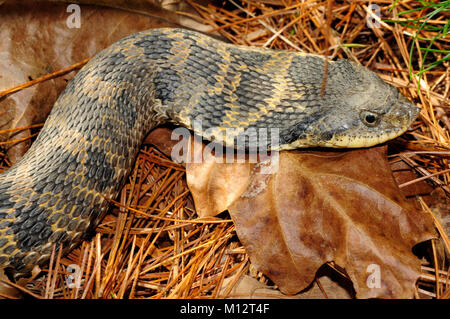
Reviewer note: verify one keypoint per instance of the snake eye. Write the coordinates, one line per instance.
(369, 118)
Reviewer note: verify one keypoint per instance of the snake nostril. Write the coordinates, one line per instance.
(413, 111)
(416, 112)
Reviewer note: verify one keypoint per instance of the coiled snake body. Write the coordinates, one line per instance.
(90, 140)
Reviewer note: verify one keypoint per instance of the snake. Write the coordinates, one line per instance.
(88, 145)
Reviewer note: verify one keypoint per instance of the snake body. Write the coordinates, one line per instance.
(89, 142)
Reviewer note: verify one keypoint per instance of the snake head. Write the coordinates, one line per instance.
(375, 112)
(359, 110)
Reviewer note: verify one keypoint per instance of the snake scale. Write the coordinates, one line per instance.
(90, 140)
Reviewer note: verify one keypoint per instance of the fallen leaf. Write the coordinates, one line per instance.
(403, 174)
(316, 208)
(6, 290)
(248, 287)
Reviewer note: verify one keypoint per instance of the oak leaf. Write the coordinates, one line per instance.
(319, 207)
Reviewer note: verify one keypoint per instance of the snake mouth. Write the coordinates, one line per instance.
(368, 140)
(394, 123)
(397, 123)
(351, 141)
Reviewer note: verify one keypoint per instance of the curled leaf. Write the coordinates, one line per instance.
(320, 207)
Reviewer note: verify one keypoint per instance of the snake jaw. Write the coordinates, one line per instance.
(352, 141)
(392, 124)
(329, 132)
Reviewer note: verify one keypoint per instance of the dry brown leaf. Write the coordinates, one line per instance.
(320, 207)
(167, 10)
(215, 187)
(7, 291)
(249, 288)
(403, 173)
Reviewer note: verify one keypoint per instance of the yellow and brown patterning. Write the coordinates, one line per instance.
(90, 140)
